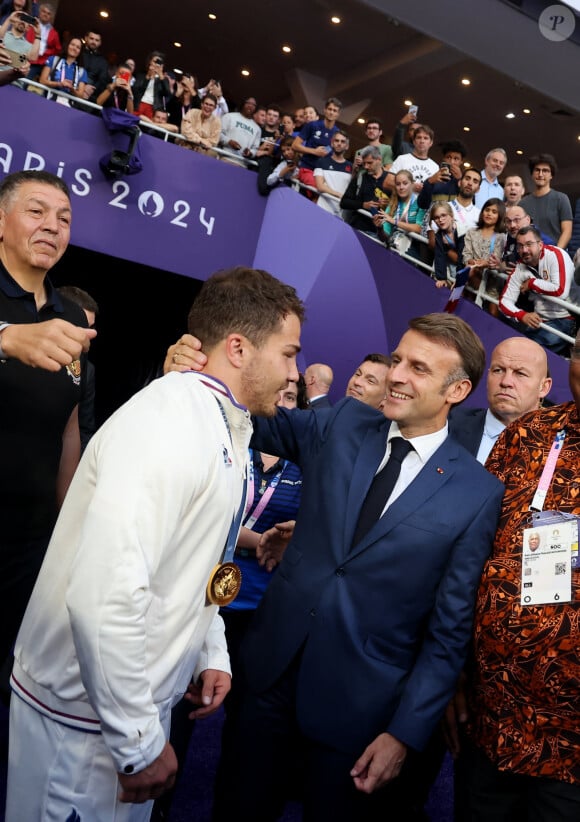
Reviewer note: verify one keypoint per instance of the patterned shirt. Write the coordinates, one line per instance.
(525, 694)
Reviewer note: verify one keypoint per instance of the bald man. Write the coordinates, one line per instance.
(517, 382)
(318, 378)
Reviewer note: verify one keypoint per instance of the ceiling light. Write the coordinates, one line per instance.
(245, 73)
(408, 102)
(336, 20)
(466, 128)
(519, 151)
(510, 116)
(286, 49)
(465, 81)
(177, 45)
(212, 16)
(527, 111)
(361, 120)
(104, 14)
(466, 164)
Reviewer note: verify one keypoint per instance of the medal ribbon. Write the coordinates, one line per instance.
(237, 520)
(548, 472)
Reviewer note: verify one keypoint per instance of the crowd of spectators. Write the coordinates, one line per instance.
(395, 193)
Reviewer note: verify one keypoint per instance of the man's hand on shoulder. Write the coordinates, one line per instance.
(380, 763)
(48, 345)
(185, 355)
(151, 782)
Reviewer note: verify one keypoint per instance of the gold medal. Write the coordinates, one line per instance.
(224, 583)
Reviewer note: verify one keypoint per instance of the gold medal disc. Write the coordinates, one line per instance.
(224, 583)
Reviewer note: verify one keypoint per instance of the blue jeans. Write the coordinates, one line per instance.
(551, 341)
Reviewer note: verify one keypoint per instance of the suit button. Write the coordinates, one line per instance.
(129, 768)
(340, 572)
(313, 612)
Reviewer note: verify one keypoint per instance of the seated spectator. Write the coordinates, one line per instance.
(443, 186)
(550, 210)
(13, 36)
(495, 162)
(374, 132)
(542, 270)
(333, 174)
(313, 142)
(151, 90)
(483, 245)
(185, 99)
(49, 41)
(214, 87)
(417, 162)
(365, 191)
(402, 142)
(402, 216)
(240, 134)
(513, 189)
(66, 73)
(287, 170)
(118, 93)
(446, 243)
(200, 127)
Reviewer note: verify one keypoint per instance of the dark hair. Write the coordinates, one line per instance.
(10, 184)
(63, 55)
(475, 170)
(242, 300)
(455, 333)
(273, 107)
(494, 201)
(153, 54)
(210, 96)
(547, 159)
(374, 121)
(371, 151)
(382, 359)
(529, 229)
(332, 101)
(287, 141)
(454, 145)
(81, 298)
(427, 129)
(341, 133)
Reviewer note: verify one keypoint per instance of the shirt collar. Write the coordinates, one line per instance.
(425, 445)
(492, 427)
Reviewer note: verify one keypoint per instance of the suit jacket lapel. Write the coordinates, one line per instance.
(433, 476)
(370, 455)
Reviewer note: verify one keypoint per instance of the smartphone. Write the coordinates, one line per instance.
(413, 110)
(27, 18)
(17, 60)
(125, 75)
(446, 166)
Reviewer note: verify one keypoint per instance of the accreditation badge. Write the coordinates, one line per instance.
(224, 583)
(549, 553)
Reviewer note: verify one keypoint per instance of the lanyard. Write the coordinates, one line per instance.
(548, 472)
(252, 515)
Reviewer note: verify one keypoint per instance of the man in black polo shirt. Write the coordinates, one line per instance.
(39, 433)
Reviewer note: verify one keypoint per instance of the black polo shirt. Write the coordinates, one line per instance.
(35, 406)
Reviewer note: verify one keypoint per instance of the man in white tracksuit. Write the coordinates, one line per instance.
(119, 620)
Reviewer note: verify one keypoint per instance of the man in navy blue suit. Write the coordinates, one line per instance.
(358, 643)
(517, 382)
(318, 378)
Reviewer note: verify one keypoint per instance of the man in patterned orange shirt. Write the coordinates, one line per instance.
(522, 759)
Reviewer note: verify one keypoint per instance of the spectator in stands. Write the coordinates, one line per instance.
(365, 191)
(287, 170)
(314, 139)
(417, 162)
(259, 116)
(299, 118)
(214, 87)
(49, 41)
(444, 184)
(118, 92)
(161, 118)
(9, 6)
(333, 173)
(513, 189)
(95, 65)
(310, 114)
(550, 210)
(466, 212)
(495, 162)
(542, 270)
(240, 135)
(374, 132)
(7, 71)
(402, 216)
(13, 36)
(151, 90)
(405, 131)
(287, 127)
(201, 127)
(516, 217)
(446, 242)
(185, 99)
(270, 133)
(66, 73)
(483, 245)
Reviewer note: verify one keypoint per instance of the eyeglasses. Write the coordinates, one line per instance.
(524, 246)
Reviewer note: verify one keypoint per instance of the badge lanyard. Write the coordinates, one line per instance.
(548, 473)
(254, 515)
